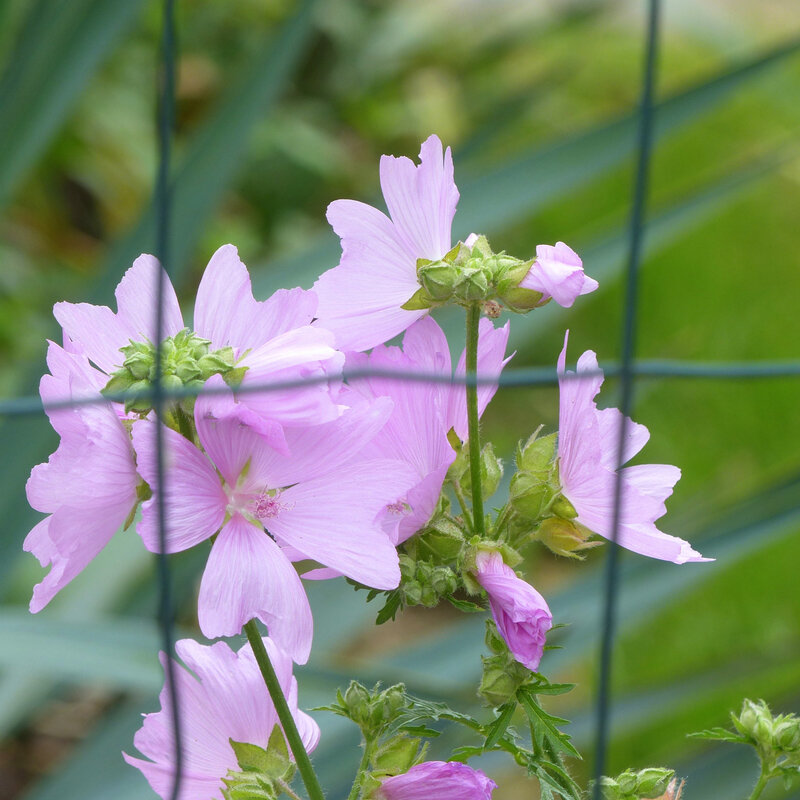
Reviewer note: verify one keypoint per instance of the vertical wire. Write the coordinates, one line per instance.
(627, 381)
(163, 196)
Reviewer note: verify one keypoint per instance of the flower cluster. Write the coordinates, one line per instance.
(274, 455)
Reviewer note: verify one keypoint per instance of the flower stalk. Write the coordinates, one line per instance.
(301, 758)
(473, 320)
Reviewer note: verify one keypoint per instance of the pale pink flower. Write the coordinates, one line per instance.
(223, 697)
(360, 299)
(443, 780)
(320, 500)
(274, 339)
(424, 412)
(588, 440)
(558, 273)
(520, 612)
(88, 486)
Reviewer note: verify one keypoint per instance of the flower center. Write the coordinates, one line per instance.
(398, 507)
(268, 504)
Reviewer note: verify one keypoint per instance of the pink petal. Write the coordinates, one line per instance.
(194, 500)
(246, 577)
(521, 613)
(636, 437)
(67, 541)
(360, 300)
(137, 300)
(98, 331)
(227, 313)
(558, 273)
(443, 780)
(331, 519)
(422, 199)
(302, 354)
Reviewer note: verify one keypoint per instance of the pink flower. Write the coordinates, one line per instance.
(88, 486)
(558, 273)
(360, 299)
(424, 412)
(587, 451)
(443, 780)
(320, 500)
(520, 612)
(222, 698)
(274, 339)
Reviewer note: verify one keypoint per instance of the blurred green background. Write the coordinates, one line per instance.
(283, 107)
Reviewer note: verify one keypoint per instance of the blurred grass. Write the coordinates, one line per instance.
(281, 110)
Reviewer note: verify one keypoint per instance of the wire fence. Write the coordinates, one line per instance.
(628, 369)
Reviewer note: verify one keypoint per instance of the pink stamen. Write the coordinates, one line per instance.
(268, 506)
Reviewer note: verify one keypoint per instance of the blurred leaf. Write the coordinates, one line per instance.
(60, 46)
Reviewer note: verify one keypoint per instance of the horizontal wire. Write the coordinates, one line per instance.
(516, 378)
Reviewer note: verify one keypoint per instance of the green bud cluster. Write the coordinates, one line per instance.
(423, 583)
(491, 471)
(502, 674)
(537, 503)
(467, 275)
(653, 782)
(373, 711)
(264, 773)
(777, 735)
(187, 362)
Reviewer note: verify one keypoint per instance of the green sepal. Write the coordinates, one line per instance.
(234, 377)
(418, 301)
(397, 755)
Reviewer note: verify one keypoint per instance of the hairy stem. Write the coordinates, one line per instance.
(762, 782)
(473, 319)
(358, 782)
(301, 758)
(462, 501)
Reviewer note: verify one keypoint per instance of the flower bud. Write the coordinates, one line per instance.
(562, 507)
(529, 494)
(787, 734)
(439, 280)
(491, 468)
(473, 283)
(628, 782)
(520, 300)
(564, 537)
(396, 756)
(537, 453)
(357, 702)
(653, 782)
(498, 684)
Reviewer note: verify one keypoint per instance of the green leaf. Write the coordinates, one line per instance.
(495, 731)
(541, 720)
(720, 735)
(465, 605)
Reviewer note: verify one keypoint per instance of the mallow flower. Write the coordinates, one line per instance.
(88, 487)
(234, 335)
(394, 269)
(424, 412)
(588, 440)
(222, 698)
(558, 273)
(321, 501)
(361, 299)
(443, 780)
(521, 614)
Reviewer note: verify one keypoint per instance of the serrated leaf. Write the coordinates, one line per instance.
(540, 719)
(720, 735)
(495, 731)
(465, 605)
(420, 730)
(390, 608)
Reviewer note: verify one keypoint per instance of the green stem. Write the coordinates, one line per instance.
(355, 791)
(473, 320)
(462, 501)
(501, 518)
(301, 759)
(759, 787)
(286, 789)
